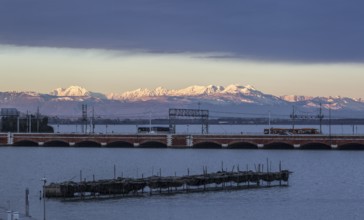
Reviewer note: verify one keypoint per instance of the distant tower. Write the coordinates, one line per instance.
(293, 117)
(93, 120)
(38, 119)
(84, 118)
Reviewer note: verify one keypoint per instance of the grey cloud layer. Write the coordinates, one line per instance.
(285, 30)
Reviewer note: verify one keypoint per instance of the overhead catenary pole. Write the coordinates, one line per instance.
(269, 123)
(27, 122)
(150, 122)
(330, 120)
(93, 119)
(38, 119)
(293, 118)
(320, 116)
(202, 115)
(18, 124)
(84, 118)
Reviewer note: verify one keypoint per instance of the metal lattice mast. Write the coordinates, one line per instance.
(202, 115)
(84, 118)
(295, 116)
(320, 116)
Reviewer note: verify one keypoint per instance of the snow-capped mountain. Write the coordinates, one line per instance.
(139, 94)
(233, 98)
(71, 91)
(296, 98)
(76, 91)
(231, 93)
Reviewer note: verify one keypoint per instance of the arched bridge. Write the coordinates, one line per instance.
(183, 141)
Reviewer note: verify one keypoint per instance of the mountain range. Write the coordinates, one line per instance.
(232, 100)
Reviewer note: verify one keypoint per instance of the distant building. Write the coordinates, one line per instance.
(9, 112)
(12, 121)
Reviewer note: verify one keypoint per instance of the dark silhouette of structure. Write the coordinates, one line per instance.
(12, 121)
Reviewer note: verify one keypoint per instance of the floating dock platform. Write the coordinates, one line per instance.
(158, 185)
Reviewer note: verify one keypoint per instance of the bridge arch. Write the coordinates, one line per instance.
(351, 146)
(278, 146)
(26, 143)
(120, 144)
(315, 146)
(87, 144)
(207, 145)
(56, 143)
(242, 145)
(153, 144)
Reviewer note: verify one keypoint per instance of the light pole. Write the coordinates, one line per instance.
(44, 206)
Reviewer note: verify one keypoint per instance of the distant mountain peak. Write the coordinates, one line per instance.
(250, 87)
(239, 89)
(296, 98)
(71, 91)
(76, 91)
(196, 90)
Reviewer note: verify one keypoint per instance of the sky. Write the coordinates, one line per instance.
(311, 47)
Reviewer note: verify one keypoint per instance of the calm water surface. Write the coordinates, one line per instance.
(325, 184)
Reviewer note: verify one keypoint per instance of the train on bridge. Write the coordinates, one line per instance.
(291, 131)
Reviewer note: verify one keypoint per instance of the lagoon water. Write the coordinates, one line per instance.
(325, 185)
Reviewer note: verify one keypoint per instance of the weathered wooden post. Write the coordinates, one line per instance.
(27, 202)
(280, 171)
(114, 171)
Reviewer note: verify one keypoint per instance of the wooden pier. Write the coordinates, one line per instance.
(158, 185)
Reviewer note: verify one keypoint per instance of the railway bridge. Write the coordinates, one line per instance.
(344, 142)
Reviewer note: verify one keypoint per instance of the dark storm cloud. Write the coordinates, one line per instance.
(285, 30)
